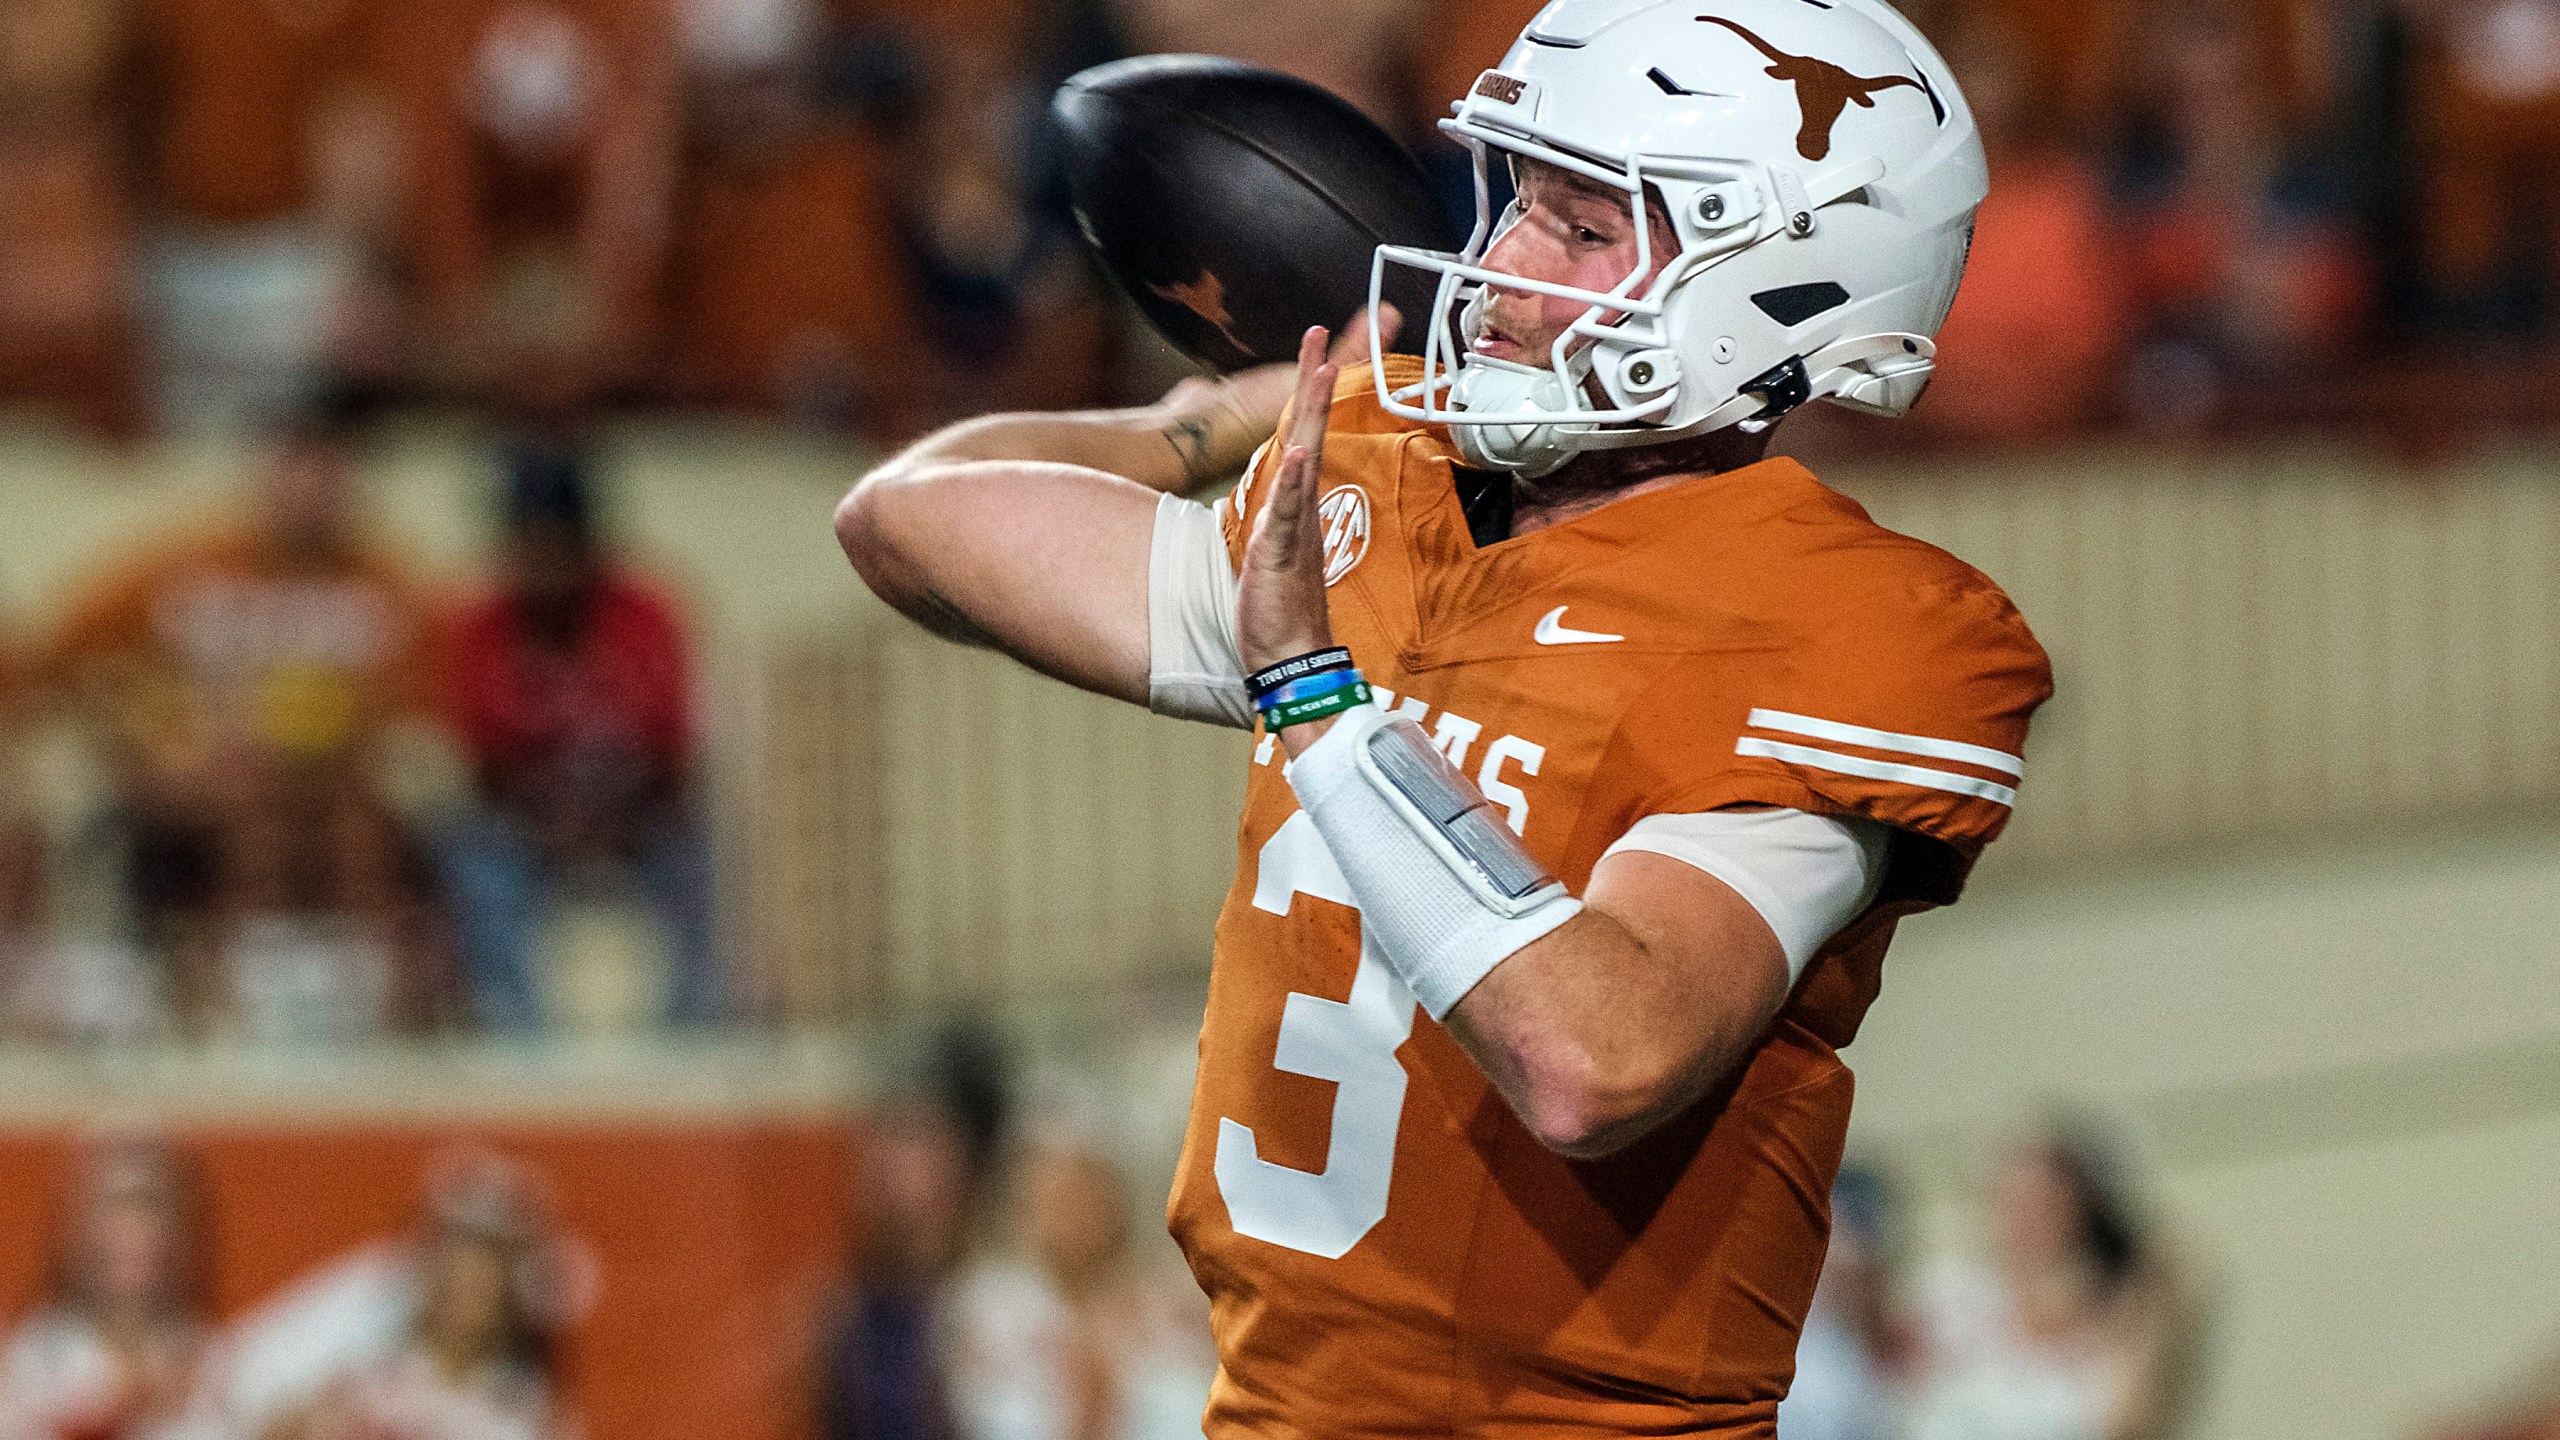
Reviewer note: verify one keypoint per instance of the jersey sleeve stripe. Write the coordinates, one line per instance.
(1839, 764)
(1987, 758)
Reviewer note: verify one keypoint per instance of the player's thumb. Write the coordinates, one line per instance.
(1291, 513)
(1266, 549)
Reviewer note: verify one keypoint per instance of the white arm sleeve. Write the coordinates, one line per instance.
(1808, 875)
(1194, 669)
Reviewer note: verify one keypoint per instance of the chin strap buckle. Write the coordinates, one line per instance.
(1783, 388)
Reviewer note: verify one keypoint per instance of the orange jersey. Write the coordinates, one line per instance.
(1388, 1250)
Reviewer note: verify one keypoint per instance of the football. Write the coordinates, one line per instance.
(1239, 206)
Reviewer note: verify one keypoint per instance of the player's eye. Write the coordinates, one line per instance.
(1584, 234)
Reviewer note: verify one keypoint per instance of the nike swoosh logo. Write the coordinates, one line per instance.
(1551, 631)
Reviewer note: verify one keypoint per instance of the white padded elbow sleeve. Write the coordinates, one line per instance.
(1441, 919)
(1194, 670)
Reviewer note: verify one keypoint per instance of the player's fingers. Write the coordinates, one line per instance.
(1313, 405)
(1351, 346)
(1311, 351)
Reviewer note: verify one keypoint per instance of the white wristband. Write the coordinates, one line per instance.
(1435, 918)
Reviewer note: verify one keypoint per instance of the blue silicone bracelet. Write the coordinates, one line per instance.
(1311, 686)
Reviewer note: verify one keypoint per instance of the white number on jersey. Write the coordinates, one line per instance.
(1351, 1043)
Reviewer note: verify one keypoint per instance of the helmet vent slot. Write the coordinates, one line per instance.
(1935, 103)
(1795, 304)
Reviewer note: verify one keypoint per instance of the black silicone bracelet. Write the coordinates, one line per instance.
(1261, 683)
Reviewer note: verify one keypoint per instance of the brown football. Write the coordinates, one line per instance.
(1239, 206)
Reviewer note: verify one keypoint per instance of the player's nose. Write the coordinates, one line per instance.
(1512, 253)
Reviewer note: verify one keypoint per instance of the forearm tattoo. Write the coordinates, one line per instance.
(1190, 442)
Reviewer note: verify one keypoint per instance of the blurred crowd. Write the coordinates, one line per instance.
(2277, 214)
(1000, 1277)
(241, 682)
(1009, 1284)
(847, 213)
(1005, 1282)
(2069, 1312)
(2076, 1321)
(447, 1332)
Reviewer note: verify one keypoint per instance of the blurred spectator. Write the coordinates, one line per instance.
(2066, 52)
(2036, 343)
(784, 294)
(2078, 1330)
(881, 1371)
(1076, 1340)
(1361, 50)
(1854, 1342)
(968, 1068)
(236, 680)
(22, 857)
(66, 229)
(2247, 274)
(543, 137)
(490, 1290)
(116, 1350)
(272, 171)
(1467, 38)
(572, 690)
(2488, 101)
(1006, 305)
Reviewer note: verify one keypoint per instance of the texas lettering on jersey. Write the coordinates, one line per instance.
(1387, 1250)
(1506, 760)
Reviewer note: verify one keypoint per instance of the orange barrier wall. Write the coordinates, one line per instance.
(717, 1244)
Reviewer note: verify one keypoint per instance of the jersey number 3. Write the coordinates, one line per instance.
(1351, 1043)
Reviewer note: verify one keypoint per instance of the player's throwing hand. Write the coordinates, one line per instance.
(1280, 606)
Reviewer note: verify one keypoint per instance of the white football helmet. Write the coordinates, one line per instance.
(1820, 169)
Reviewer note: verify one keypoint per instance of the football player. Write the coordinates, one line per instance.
(1609, 745)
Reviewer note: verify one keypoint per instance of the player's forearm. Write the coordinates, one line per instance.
(1610, 1023)
(1194, 436)
(1594, 1041)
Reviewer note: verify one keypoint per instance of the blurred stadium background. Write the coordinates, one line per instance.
(501, 937)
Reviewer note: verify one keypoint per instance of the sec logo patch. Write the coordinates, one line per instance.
(1344, 514)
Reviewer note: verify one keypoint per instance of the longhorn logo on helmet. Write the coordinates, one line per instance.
(1824, 91)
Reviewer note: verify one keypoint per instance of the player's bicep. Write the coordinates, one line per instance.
(1047, 563)
(1709, 949)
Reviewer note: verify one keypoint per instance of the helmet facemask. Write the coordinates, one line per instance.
(1612, 377)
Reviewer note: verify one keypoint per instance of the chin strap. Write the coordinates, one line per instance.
(1877, 374)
